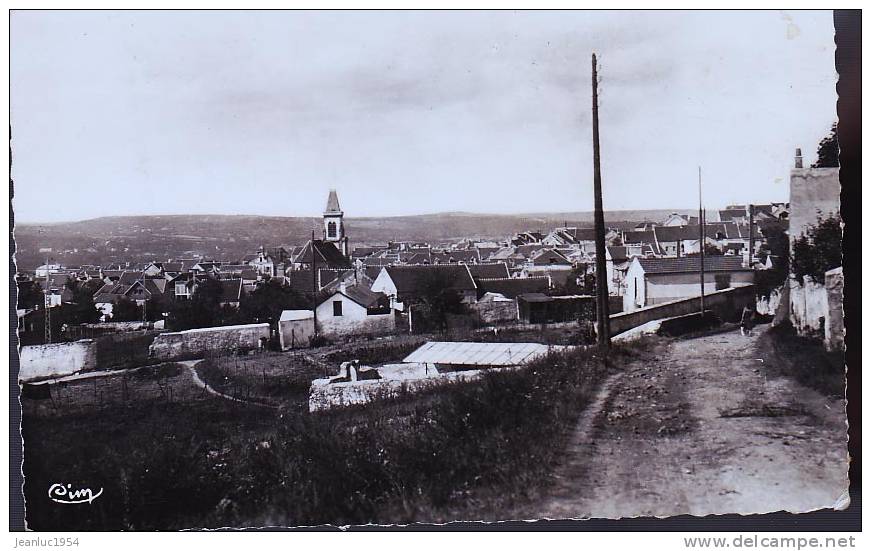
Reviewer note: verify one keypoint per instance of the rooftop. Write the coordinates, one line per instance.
(478, 353)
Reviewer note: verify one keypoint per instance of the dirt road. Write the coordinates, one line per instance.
(702, 429)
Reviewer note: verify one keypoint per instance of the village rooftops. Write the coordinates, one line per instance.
(714, 230)
(687, 264)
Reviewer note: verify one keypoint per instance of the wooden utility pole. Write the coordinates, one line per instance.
(701, 245)
(314, 285)
(603, 326)
(750, 253)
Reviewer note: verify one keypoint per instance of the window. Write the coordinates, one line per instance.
(331, 229)
(337, 308)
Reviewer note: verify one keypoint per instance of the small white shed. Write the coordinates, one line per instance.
(296, 328)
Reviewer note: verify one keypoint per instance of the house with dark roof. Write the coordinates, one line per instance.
(652, 281)
(326, 255)
(354, 310)
(490, 270)
(408, 283)
(639, 242)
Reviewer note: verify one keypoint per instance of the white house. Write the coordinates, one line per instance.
(404, 283)
(354, 310)
(652, 281)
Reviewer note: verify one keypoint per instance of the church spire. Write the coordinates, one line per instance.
(333, 204)
(334, 224)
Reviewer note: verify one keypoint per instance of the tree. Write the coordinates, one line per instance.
(267, 302)
(203, 309)
(438, 300)
(818, 249)
(30, 295)
(579, 282)
(81, 308)
(125, 309)
(828, 150)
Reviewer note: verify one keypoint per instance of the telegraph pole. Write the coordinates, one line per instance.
(314, 285)
(750, 254)
(701, 245)
(47, 292)
(603, 329)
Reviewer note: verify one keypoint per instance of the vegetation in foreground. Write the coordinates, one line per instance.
(462, 452)
(804, 359)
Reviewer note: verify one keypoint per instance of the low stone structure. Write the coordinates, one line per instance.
(494, 309)
(325, 394)
(45, 361)
(195, 343)
(817, 309)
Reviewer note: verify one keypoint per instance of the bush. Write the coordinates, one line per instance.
(818, 250)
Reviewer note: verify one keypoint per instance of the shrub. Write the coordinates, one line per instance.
(818, 250)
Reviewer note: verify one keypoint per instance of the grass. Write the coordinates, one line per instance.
(464, 451)
(804, 359)
(268, 377)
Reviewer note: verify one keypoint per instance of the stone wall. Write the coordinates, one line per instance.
(196, 343)
(726, 303)
(54, 360)
(808, 307)
(817, 310)
(834, 337)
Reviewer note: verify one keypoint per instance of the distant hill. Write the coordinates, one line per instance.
(143, 238)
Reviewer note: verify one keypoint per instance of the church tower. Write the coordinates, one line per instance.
(334, 225)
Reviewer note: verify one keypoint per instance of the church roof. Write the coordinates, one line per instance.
(333, 204)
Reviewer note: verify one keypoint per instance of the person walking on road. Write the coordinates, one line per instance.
(747, 320)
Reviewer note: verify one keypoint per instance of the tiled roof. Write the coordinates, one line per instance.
(668, 234)
(513, 286)
(301, 280)
(618, 254)
(549, 257)
(636, 237)
(231, 290)
(727, 215)
(714, 263)
(328, 256)
(364, 297)
(494, 270)
(410, 280)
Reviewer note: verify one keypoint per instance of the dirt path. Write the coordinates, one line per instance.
(702, 429)
(190, 365)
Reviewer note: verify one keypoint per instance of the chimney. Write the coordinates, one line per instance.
(799, 163)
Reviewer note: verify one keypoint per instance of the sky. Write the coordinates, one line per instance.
(257, 112)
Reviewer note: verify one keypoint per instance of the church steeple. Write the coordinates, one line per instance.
(334, 225)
